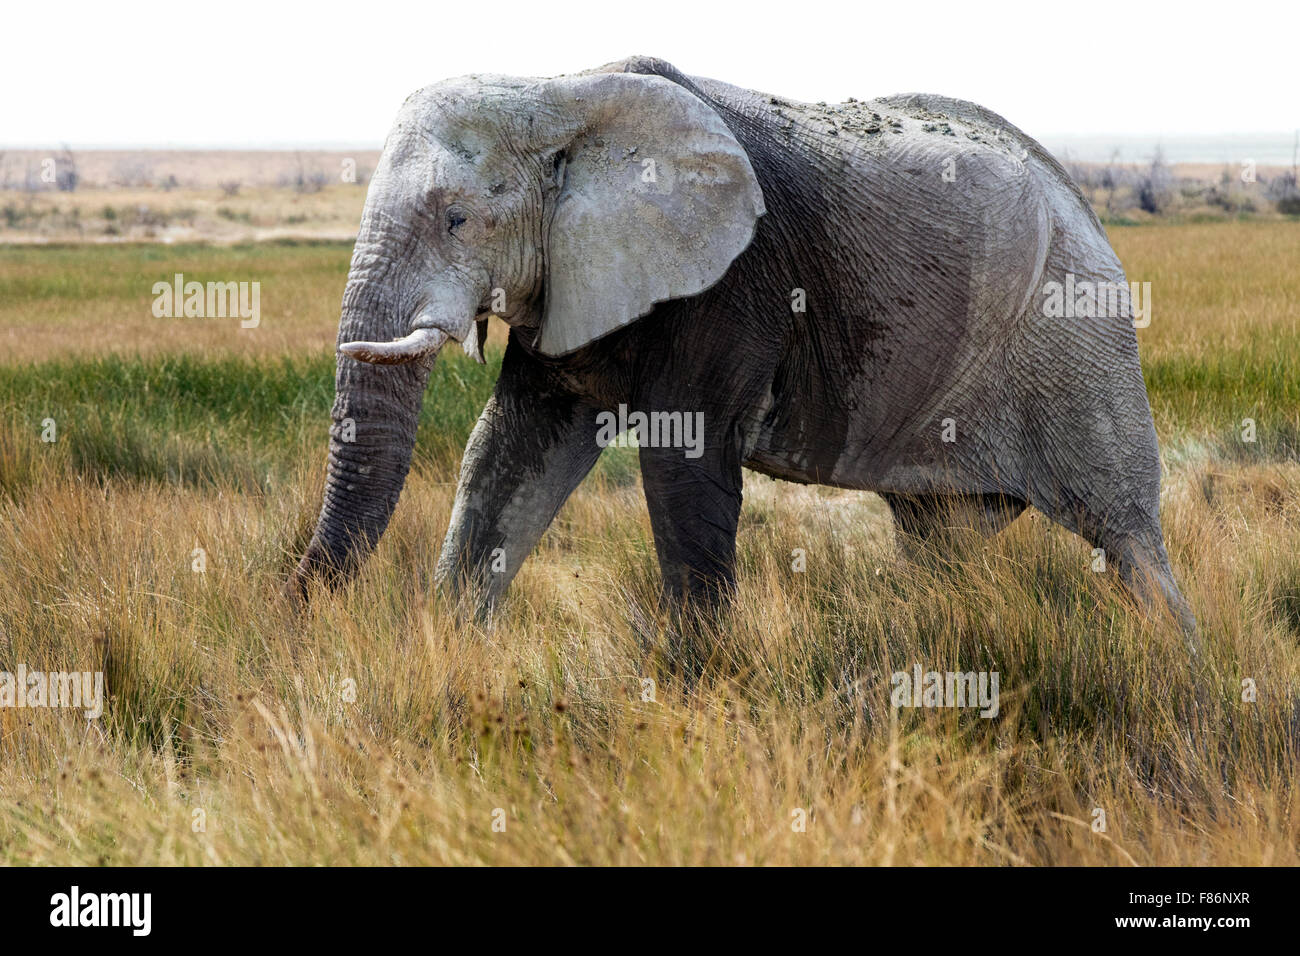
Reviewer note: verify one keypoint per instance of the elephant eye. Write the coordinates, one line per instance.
(454, 221)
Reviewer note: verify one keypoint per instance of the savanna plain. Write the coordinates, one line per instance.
(578, 725)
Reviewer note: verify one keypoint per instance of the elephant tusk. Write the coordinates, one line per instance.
(418, 344)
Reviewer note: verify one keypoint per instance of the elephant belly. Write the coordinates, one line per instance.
(961, 452)
(929, 406)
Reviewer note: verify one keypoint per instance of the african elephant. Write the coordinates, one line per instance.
(852, 295)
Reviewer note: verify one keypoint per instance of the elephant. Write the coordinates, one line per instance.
(851, 295)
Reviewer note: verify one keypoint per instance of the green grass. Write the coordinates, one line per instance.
(251, 421)
(80, 273)
(1206, 401)
(185, 418)
(88, 301)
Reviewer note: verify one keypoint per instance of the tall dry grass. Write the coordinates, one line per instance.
(381, 728)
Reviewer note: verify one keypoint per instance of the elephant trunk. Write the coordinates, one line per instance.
(376, 410)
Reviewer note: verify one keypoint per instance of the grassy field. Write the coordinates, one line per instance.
(377, 729)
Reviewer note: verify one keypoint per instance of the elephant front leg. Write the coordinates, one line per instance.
(524, 458)
(694, 510)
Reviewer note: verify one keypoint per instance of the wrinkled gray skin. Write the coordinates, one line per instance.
(670, 286)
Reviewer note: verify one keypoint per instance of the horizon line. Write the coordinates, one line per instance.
(342, 145)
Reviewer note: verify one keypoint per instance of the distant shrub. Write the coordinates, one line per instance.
(1155, 185)
(132, 173)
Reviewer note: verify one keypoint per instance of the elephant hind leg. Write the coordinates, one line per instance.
(1099, 477)
(925, 520)
(1132, 543)
(1144, 569)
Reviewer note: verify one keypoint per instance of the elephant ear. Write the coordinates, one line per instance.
(657, 200)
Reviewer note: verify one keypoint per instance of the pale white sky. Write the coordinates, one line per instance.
(258, 73)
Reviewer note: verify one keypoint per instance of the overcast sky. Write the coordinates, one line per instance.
(252, 73)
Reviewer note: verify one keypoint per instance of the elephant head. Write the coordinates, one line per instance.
(567, 207)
